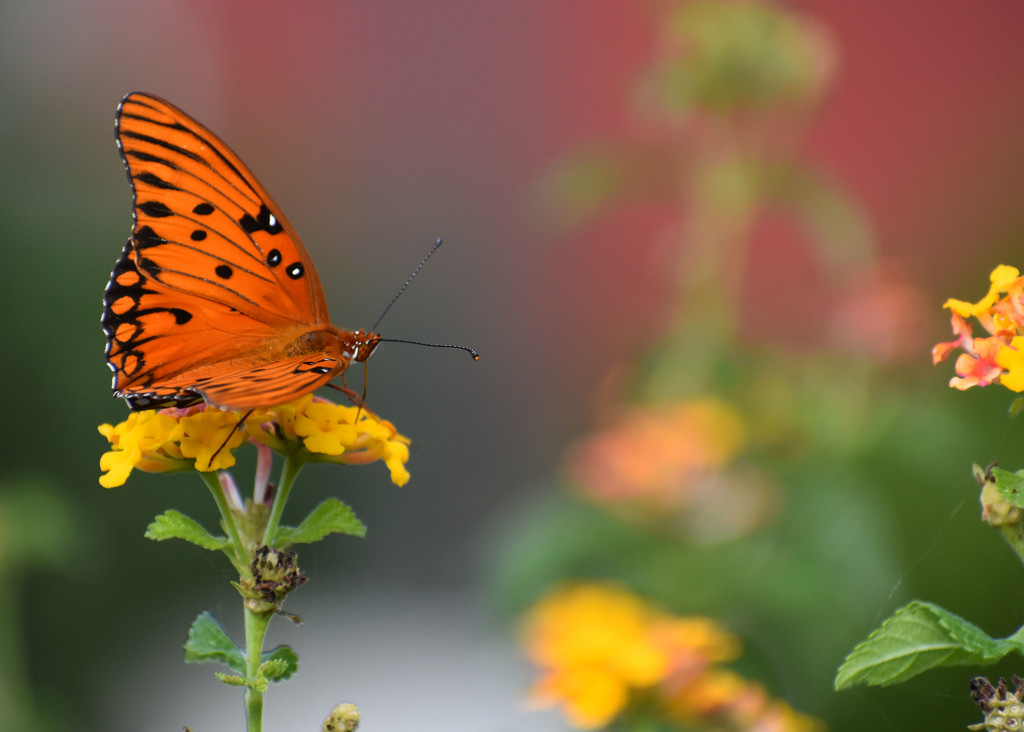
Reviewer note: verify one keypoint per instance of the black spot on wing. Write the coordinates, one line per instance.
(150, 158)
(156, 209)
(264, 221)
(145, 237)
(155, 180)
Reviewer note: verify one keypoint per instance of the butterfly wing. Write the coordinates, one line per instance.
(204, 224)
(152, 338)
(214, 280)
(254, 387)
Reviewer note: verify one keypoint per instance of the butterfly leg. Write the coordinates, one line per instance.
(238, 426)
(357, 399)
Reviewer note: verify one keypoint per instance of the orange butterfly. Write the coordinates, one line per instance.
(214, 297)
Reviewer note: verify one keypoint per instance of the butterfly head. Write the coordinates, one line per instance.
(361, 345)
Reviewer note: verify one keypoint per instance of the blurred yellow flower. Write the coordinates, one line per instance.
(204, 438)
(597, 644)
(601, 649)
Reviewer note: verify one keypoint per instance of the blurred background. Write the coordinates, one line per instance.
(378, 126)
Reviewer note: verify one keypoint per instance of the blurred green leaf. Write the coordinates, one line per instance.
(918, 637)
(730, 56)
(330, 517)
(835, 224)
(207, 641)
(588, 182)
(37, 527)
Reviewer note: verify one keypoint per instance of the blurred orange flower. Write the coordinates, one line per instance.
(659, 454)
(728, 701)
(676, 464)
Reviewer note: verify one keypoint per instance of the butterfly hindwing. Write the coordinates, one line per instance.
(279, 382)
(154, 333)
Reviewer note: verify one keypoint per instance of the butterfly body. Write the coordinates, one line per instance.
(214, 297)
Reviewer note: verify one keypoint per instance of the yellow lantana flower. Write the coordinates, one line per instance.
(995, 358)
(596, 645)
(1002, 280)
(203, 438)
(600, 649)
(146, 440)
(593, 644)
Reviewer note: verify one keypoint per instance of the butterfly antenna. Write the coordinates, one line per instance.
(402, 288)
(467, 349)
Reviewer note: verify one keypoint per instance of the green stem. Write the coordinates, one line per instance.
(255, 631)
(227, 517)
(289, 473)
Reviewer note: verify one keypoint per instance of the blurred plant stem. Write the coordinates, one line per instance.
(722, 202)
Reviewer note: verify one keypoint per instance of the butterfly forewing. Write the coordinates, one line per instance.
(203, 223)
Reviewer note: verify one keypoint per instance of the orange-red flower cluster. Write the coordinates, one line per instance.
(997, 358)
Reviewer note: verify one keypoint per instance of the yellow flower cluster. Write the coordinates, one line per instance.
(203, 438)
(600, 648)
(999, 357)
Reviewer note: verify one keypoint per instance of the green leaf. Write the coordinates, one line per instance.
(207, 641)
(918, 637)
(279, 664)
(330, 517)
(1010, 485)
(231, 679)
(1017, 406)
(175, 525)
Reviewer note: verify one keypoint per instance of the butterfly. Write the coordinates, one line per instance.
(214, 298)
